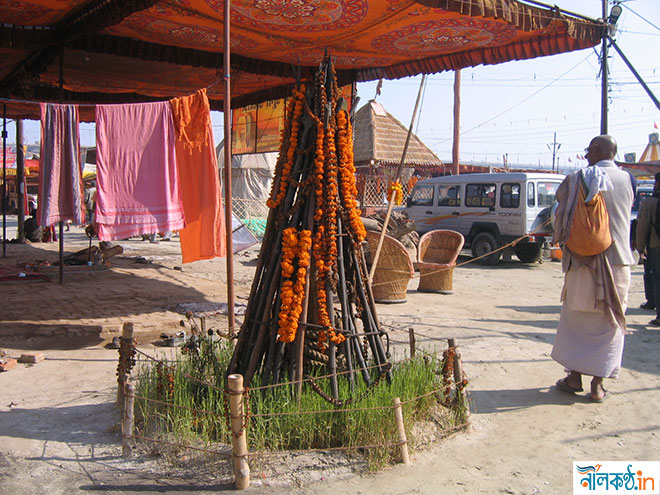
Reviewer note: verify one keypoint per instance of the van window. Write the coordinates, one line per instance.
(480, 195)
(547, 192)
(531, 196)
(510, 196)
(422, 196)
(639, 197)
(449, 195)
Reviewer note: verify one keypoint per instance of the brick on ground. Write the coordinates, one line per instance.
(7, 364)
(31, 358)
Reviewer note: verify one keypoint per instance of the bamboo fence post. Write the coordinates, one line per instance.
(403, 441)
(128, 420)
(125, 343)
(238, 437)
(458, 371)
(411, 339)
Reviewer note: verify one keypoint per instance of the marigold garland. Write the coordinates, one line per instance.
(296, 248)
(347, 177)
(288, 146)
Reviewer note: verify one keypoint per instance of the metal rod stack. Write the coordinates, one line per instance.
(310, 302)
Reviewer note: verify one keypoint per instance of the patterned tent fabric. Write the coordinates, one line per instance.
(141, 50)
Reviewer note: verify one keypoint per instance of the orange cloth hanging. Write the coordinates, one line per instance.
(204, 235)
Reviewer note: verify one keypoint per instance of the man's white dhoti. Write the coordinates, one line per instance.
(586, 340)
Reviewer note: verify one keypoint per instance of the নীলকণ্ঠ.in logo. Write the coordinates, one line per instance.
(621, 477)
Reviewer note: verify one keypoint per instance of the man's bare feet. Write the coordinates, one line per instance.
(598, 392)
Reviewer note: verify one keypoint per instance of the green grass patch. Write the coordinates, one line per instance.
(196, 413)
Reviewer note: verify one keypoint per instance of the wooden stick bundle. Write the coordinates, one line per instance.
(310, 285)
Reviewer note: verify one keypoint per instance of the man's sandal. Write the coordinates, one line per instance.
(565, 387)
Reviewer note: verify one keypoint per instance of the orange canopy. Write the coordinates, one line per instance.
(141, 50)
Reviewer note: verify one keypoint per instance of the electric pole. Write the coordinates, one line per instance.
(604, 70)
(555, 148)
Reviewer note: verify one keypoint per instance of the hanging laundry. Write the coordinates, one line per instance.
(204, 235)
(60, 176)
(137, 185)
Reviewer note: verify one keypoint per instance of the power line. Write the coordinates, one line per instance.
(525, 99)
(641, 17)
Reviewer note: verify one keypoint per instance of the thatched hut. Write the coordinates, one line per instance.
(379, 139)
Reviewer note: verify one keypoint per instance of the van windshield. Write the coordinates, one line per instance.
(546, 193)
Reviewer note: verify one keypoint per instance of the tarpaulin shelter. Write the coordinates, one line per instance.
(121, 51)
(142, 50)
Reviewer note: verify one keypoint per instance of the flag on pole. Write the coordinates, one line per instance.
(655, 125)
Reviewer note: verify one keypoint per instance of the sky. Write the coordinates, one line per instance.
(515, 108)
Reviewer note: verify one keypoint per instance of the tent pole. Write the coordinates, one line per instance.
(228, 204)
(61, 229)
(390, 204)
(20, 179)
(4, 180)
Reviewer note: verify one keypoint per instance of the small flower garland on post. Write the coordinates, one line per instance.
(398, 197)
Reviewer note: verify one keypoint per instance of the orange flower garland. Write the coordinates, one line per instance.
(295, 246)
(288, 146)
(347, 173)
(398, 196)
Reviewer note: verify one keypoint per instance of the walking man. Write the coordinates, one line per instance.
(648, 244)
(590, 334)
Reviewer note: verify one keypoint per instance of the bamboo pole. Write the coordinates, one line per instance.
(4, 180)
(390, 203)
(61, 224)
(300, 336)
(231, 320)
(455, 147)
(20, 179)
(458, 372)
(412, 341)
(332, 348)
(128, 420)
(343, 299)
(238, 437)
(125, 342)
(398, 415)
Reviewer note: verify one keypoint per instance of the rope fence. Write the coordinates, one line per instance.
(237, 415)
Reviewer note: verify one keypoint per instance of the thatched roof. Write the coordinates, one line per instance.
(378, 136)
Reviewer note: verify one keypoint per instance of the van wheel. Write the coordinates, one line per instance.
(483, 244)
(528, 253)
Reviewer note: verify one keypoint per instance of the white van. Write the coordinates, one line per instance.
(490, 210)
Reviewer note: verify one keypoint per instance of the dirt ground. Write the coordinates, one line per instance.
(58, 422)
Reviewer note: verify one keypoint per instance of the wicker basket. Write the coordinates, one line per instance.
(393, 272)
(437, 253)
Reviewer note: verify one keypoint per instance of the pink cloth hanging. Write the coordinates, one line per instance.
(137, 190)
(60, 176)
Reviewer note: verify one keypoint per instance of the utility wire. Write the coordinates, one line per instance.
(641, 17)
(525, 99)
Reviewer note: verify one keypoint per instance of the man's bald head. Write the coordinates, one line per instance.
(601, 148)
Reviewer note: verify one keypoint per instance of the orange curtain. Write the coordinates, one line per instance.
(204, 234)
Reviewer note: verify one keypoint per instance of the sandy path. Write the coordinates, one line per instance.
(58, 425)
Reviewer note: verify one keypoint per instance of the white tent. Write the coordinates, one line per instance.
(251, 174)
